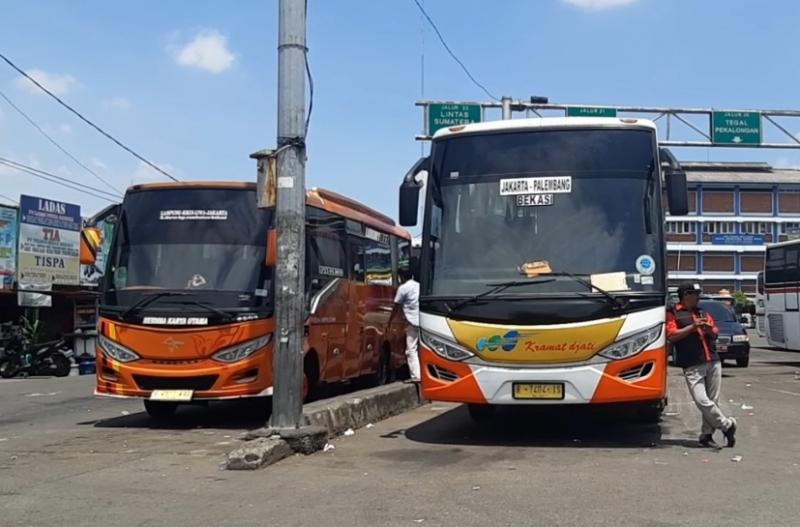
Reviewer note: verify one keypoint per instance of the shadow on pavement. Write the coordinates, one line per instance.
(790, 364)
(544, 427)
(225, 415)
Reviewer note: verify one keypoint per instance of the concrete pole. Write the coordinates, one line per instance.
(287, 403)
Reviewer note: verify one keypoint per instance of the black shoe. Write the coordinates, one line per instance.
(707, 440)
(730, 434)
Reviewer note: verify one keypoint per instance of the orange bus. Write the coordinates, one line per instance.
(187, 301)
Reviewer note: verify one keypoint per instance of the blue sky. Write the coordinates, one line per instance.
(192, 85)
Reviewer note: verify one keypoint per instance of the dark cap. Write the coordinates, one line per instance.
(688, 287)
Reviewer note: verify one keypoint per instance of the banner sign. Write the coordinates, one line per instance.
(8, 246)
(49, 242)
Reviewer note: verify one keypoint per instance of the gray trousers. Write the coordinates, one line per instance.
(704, 383)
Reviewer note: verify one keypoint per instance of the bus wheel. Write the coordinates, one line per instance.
(310, 377)
(381, 375)
(481, 412)
(160, 409)
(743, 362)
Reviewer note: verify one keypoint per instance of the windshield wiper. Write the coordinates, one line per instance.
(496, 288)
(149, 299)
(615, 301)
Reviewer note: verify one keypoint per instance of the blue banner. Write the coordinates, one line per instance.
(737, 239)
(50, 213)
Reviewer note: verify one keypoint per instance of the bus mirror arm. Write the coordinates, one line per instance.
(409, 192)
(677, 188)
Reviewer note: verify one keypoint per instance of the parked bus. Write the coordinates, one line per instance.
(187, 302)
(543, 276)
(781, 296)
(761, 323)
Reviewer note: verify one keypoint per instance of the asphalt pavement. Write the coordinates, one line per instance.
(68, 458)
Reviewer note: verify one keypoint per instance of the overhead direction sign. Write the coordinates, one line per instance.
(590, 111)
(444, 115)
(736, 128)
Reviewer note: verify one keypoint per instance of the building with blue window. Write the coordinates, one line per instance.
(735, 210)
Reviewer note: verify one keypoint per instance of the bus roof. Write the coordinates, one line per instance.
(546, 122)
(315, 197)
(783, 244)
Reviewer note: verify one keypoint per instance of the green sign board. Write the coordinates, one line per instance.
(444, 115)
(736, 128)
(588, 111)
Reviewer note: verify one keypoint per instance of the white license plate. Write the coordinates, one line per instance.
(172, 395)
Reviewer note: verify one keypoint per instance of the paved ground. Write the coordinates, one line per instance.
(67, 458)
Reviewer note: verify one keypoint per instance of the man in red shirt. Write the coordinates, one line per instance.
(693, 334)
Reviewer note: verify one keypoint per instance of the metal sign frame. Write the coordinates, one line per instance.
(676, 121)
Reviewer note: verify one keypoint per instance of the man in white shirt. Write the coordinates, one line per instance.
(407, 300)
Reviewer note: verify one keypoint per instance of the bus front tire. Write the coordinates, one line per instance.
(481, 412)
(160, 409)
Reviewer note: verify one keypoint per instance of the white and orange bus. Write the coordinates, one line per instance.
(543, 275)
(187, 302)
(782, 294)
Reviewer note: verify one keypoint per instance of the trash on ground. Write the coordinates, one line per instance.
(672, 414)
(370, 425)
(661, 462)
(420, 520)
(686, 453)
(736, 459)
(476, 487)
(748, 385)
(349, 432)
(125, 412)
(746, 407)
(328, 447)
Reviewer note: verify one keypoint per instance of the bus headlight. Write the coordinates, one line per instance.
(445, 348)
(116, 351)
(741, 338)
(243, 350)
(630, 346)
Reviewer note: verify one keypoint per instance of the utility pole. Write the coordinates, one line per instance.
(287, 363)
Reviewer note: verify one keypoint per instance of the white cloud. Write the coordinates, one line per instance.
(207, 51)
(117, 103)
(146, 174)
(59, 84)
(596, 5)
(98, 163)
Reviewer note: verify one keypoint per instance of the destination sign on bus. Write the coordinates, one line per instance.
(536, 185)
(534, 200)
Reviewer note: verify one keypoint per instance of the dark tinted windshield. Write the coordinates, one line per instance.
(585, 202)
(719, 311)
(209, 241)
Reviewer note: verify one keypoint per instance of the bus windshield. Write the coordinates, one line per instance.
(583, 202)
(210, 242)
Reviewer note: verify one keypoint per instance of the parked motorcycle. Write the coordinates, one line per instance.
(19, 357)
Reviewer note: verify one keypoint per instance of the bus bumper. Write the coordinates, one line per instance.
(208, 379)
(642, 378)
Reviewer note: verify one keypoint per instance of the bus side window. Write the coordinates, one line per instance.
(357, 263)
(378, 263)
(325, 253)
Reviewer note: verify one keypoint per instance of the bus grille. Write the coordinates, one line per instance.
(202, 383)
(775, 327)
(441, 373)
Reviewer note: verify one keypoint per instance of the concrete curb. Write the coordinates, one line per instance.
(327, 418)
(358, 409)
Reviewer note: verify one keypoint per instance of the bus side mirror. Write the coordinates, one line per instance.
(91, 240)
(677, 192)
(409, 193)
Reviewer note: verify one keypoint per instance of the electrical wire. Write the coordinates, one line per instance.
(58, 180)
(9, 198)
(310, 84)
(450, 51)
(53, 141)
(85, 120)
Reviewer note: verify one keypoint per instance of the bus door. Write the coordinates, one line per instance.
(357, 305)
(328, 291)
(791, 300)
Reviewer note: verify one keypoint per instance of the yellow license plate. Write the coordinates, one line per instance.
(538, 391)
(171, 395)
